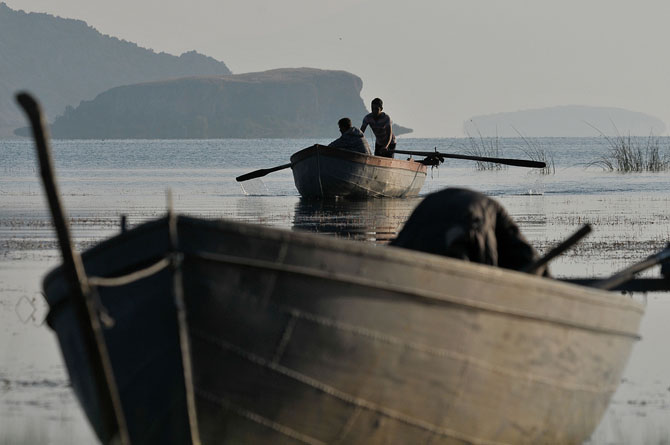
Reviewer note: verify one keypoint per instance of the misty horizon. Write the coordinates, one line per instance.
(437, 66)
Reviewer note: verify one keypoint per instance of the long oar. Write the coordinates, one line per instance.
(634, 285)
(113, 420)
(629, 273)
(559, 249)
(261, 172)
(507, 161)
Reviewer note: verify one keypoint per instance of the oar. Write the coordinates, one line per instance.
(634, 285)
(629, 273)
(515, 162)
(261, 172)
(559, 249)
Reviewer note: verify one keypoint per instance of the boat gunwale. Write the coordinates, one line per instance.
(434, 262)
(439, 264)
(359, 158)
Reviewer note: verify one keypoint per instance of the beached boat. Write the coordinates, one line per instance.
(327, 172)
(185, 330)
(300, 338)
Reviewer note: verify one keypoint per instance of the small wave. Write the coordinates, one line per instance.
(9, 384)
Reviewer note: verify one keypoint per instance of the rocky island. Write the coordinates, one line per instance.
(281, 103)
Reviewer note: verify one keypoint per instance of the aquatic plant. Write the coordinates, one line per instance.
(629, 154)
(537, 152)
(485, 147)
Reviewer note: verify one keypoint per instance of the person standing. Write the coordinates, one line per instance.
(382, 127)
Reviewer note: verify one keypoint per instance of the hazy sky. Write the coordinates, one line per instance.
(435, 63)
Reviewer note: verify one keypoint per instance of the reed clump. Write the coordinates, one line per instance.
(630, 154)
(485, 147)
(537, 152)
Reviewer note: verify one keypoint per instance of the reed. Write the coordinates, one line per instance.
(537, 152)
(630, 154)
(485, 147)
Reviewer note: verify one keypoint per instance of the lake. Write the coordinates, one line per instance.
(102, 180)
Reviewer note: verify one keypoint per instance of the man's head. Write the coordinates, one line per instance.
(344, 124)
(377, 106)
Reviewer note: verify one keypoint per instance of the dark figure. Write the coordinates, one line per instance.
(468, 225)
(665, 266)
(382, 127)
(352, 138)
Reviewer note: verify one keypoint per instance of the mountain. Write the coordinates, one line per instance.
(64, 61)
(281, 103)
(565, 121)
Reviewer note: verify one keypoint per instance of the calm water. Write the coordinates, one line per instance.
(101, 180)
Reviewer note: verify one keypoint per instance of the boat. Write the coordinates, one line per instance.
(322, 172)
(187, 330)
(301, 338)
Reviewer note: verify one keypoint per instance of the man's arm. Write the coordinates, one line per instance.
(336, 143)
(364, 125)
(388, 129)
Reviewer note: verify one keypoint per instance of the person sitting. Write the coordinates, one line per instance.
(352, 138)
(468, 225)
(382, 127)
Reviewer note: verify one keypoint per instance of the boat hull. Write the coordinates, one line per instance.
(324, 172)
(299, 338)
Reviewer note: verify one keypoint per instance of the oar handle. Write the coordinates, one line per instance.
(507, 161)
(559, 249)
(633, 285)
(262, 172)
(629, 272)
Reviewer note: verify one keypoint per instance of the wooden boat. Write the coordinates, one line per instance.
(184, 330)
(299, 338)
(327, 172)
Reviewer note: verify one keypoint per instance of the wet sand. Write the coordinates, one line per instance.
(36, 402)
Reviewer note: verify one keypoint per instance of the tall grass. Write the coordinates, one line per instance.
(485, 147)
(536, 152)
(629, 154)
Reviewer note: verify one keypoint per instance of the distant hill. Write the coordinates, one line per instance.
(570, 120)
(64, 61)
(281, 103)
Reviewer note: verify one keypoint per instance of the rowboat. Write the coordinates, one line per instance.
(322, 172)
(186, 330)
(327, 172)
(300, 338)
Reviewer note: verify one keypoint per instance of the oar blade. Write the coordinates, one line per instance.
(518, 162)
(252, 175)
(262, 172)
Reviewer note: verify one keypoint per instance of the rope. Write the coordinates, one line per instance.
(131, 277)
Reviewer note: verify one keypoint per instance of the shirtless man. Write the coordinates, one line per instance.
(381, 126)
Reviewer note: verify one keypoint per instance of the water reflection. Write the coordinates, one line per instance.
(375, 220)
